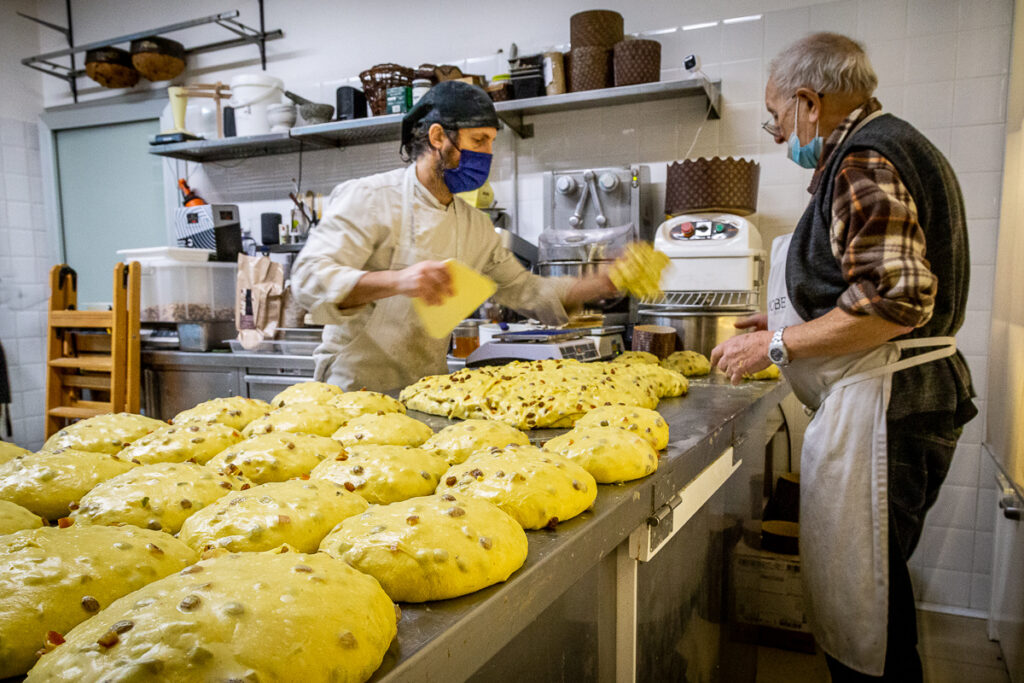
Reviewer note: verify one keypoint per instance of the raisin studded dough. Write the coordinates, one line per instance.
(234, 411)
(277, 456)
(160, 496)
(47, 483)
(636, 358)
(770, 372)
(297, 512)
(538, 488)
(689, 363)
(610, 454)
(431, 548)
(461, 440)
(8, 451)
(306, 392)
(356, 403)
(306, 418)
(642, 421)
(279, 616)
(52, 579)
(15, 518)
(384, 474)
(109, 433)
(178, 443)
(392, 429)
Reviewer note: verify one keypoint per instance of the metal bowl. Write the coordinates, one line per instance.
(698, 331)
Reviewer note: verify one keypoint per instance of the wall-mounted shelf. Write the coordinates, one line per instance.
(388, 128)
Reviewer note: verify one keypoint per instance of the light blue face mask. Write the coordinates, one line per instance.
(807, 155)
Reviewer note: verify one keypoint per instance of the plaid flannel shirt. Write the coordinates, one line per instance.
(875, 234)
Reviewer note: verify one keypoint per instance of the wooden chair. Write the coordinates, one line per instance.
(93, 364)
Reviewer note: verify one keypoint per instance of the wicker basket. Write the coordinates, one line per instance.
(716, 184)
(376, 81)
(426, 72)
(637, 61)
(591, 68)
(595, 28)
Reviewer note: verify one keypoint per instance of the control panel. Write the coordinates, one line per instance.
(704, 230)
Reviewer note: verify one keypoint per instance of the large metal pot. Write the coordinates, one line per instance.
(698, 331)
(570, 268)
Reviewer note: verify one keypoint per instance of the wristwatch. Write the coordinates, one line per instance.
(777, 351)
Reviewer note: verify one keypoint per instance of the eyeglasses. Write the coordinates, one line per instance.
(771, 126)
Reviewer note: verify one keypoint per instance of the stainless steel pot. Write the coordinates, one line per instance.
(698, 331)
(570, 268)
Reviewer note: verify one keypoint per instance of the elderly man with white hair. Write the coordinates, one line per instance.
(864, 298)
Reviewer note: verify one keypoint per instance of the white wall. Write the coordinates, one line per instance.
(942, 65)
(25, 253)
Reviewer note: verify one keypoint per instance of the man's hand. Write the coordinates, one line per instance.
(742, 354)
(429, 280)
(757, 321)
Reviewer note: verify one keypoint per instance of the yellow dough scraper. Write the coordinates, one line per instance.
(471, 289)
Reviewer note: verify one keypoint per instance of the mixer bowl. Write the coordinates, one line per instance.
(699, 331)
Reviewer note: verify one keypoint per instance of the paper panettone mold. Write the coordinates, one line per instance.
(715, 184)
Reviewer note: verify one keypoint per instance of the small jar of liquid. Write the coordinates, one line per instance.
(465, 338)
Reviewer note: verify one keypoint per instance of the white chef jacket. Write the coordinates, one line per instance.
(381, 345)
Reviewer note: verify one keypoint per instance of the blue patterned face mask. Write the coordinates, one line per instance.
(471, 173)
(807, 155)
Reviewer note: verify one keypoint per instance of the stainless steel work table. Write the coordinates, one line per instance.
(452, 639)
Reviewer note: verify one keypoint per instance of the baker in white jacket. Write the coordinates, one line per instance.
(383, 240)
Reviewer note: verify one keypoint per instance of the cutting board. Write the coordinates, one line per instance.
(471, 289)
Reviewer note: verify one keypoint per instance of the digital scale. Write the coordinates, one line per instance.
(582, 344)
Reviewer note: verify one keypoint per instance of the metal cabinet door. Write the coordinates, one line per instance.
(266, 387)
(168, 391)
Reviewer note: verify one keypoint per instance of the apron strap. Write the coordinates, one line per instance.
(947, 347)
(406, 236)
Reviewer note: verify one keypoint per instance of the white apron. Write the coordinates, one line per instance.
(844, 508)
(392, 350)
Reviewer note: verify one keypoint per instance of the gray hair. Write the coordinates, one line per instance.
(824, 62)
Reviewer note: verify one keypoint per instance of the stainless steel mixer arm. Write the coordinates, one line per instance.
(601, 220)
(577, 215)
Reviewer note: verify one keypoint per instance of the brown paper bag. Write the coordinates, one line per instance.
(258, 299)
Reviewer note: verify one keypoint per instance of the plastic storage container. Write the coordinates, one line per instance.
(181, 285)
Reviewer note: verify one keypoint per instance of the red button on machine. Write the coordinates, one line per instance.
(687, 229)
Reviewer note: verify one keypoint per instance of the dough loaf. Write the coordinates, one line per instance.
(178, 443)
(689, 363)
(539, 489)
(610, 454)
(770, 372)
(306, 392)
(8, 451)
(356, 403)
(431, 548)
(384, 474)
(641, 421)
(636, 358)
(461, 440)
(160, 496)
(306, 418)
(234, 411)
(297, 512)
(47, 483)
(638, 271)
(280, 616)
(392, 429)
(15, 518)
(109, 433)
(52, 579)
(277, 456)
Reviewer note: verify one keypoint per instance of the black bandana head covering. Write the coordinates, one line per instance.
(454, 105)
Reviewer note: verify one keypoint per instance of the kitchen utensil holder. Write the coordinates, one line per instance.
(377, 79)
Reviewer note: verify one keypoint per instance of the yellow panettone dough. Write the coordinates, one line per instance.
(538, 488)
(462, 394)
(297, 512)
(306, 418)
(661, 381)
(15, 518)
(233, 411)
(277, 616)
(636, 358)
(178, 443)
(356, 403)
(384, 474)
(47, 483)
(689, 363)
(160, 496)
(641, 421)
(770, 372)
(392, 429)
(52, 579)
(306, 392)
(277, 456)
(109, 433)
(8, 451)
(431, 548)
(461, 440)
(610, 454)
(638, 271)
